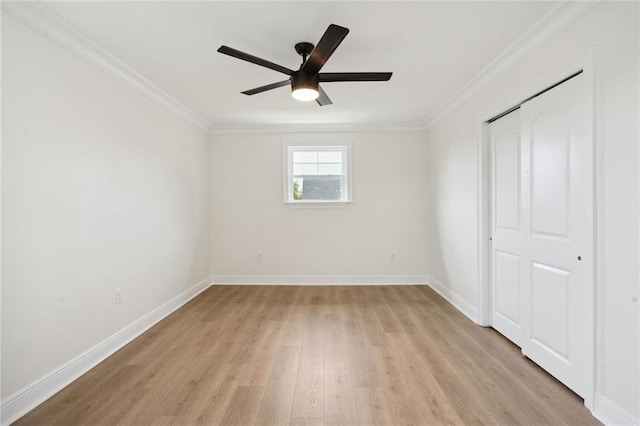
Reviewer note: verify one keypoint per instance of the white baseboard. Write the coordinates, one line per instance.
(611, 414)
(319, 279)
(34, 394)
(456, 300)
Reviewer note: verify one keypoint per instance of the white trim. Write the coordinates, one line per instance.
(318, 279)
(484, 227)
(320, 128)
(595, 246)
(611, 414)
(26, 399)
(1, 257)
(550, 25)
(454, 298)
(306, 204)
(43, 20)
(638, 291)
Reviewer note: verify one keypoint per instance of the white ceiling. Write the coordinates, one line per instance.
(432, 48)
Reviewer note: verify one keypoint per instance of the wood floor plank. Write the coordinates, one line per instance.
(384, 311)
(404, 407)
(339, 401)
(244, 405)
(278, 397)
(292, 326)
(287, 355)
(256, 372)
(362, 366)
(372, 407)
(372, 329)
(336, 355)
(306, 421)
(309, 392)
(420, 380)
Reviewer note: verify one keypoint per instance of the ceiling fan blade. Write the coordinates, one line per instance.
(254, 59)
(354, 76)
(266, 87)
(329, 42)
(323, 99)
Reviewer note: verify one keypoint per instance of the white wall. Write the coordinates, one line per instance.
(101, 188)
(453, 188)
(387, 214)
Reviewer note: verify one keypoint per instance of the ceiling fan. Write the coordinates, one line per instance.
(305, 82)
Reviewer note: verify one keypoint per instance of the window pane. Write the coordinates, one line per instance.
(329, 157)
(305, 169)
(321, 188)
(305, 157)
(330, 169)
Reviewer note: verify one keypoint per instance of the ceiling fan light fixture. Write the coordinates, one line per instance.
(305, 94)
(304, 87)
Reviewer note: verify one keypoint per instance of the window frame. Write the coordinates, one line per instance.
(315, 146)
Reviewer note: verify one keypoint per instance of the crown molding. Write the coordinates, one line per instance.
(43, 20)
(546, 28)
(321, 128)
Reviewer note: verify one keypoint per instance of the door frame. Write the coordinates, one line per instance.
(584, 62)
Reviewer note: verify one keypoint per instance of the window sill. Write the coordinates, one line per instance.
(317, 204)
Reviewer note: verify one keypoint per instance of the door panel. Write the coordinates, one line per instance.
(549, 151)
(542, 229)
(550, 322)
(507, 285)
(506, 227)
(555, 223)
(507, 173)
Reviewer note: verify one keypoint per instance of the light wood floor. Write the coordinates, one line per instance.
(242, 355)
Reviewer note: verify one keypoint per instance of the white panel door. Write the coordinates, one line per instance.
(556, 164)
(506, 227)
(542, 232)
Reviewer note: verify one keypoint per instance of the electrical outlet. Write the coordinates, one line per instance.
(259, 256)
(117, 293)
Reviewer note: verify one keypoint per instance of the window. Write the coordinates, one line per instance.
(317, 174)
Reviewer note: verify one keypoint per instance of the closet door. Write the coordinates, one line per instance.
(506, 227)
(556, 162)
(542, 229)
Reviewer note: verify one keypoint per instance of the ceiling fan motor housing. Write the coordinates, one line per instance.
(303, 80)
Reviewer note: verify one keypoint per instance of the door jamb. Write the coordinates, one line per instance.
(586, 63)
